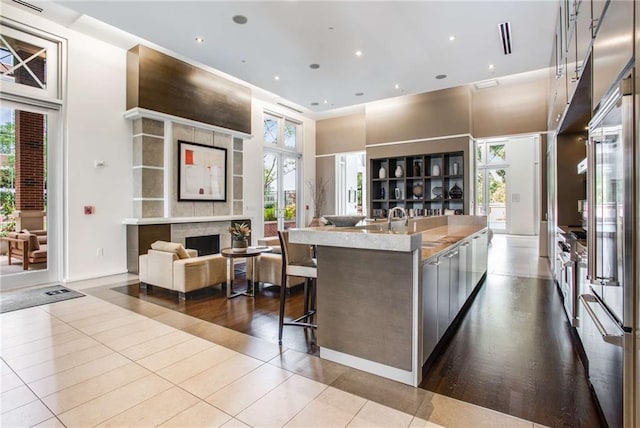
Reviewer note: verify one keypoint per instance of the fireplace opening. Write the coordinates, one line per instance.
(207, 244)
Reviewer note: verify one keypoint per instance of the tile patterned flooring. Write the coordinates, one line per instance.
(108, 359)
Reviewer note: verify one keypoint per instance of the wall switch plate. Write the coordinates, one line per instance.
(88, 209)
(100, 252)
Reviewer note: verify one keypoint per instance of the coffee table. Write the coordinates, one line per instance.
(251, 253)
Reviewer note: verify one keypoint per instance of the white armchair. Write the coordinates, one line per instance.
(169, 265)
(269, 265)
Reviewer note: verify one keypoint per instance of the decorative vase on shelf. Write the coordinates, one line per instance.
(455, 192)
(418, 190)
(382, 193)
(416, 169)
(435, 170)
(382, 173)
(455, 169)
(399, 172)
(239, 245)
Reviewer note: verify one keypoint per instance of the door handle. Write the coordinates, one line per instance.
(612, 338)
(435, 263)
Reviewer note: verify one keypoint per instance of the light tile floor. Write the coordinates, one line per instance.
(111, 360)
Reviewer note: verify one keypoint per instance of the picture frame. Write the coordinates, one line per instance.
(202, 172)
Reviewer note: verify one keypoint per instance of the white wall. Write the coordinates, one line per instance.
(522, 158)
(96, 130)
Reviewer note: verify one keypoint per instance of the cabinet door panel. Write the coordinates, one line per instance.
(454, 283)
(443, 295)
(612, 47)
(429, 308)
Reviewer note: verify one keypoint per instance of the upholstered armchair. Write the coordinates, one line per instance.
(269, 265)
(171, 266)
(30, 247)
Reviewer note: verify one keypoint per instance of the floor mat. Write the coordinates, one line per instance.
(12, 301)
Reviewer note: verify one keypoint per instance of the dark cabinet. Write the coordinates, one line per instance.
(423, 185)
(429, 308)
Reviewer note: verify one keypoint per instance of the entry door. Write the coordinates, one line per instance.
(491, 197)
(43, 186)
(280, 192)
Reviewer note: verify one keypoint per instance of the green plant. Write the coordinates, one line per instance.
(239, 231)
(8, 201)
(269, 214)
(7, 226)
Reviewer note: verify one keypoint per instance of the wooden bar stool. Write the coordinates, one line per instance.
(297, 261)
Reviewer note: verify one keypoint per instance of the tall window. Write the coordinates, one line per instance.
(281, 173)
(491, 183)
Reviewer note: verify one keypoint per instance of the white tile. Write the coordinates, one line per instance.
(50, 423)
(199, 415)
(281, 404)
(9, 382)
(190, 366)
(44, 343)
(16, 397)
(67, 378)
(211, 380)
(36, 335)
(65, 362)
(115, 402)
(175, 353)
(421, 423)
(53, 352)
(248, 389)
(30, 414)
(376, 415)
(332, 408)
(154, 411)
(70, 397)
(141, 350)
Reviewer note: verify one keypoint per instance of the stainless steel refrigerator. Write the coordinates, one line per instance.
(608, 298)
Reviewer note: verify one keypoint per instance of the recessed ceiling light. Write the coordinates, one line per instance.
(315, 104)
(199, 40)
(243, 61)
(326, 102)
(277, 77)
(490, 66)
(359, 94)
(452, 38)
(314, 66)
(441, 76)
(330, 28)
(358, 53)
(240, 19)
(397, 86)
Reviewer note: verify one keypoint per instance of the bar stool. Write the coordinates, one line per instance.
(297, 261)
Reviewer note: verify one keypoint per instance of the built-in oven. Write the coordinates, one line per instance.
(565, 271)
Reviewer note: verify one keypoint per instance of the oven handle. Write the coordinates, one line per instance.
(614, 339)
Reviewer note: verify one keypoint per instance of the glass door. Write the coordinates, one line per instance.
(30, 194)
(491, 197)
(350, 174)
(280, 191)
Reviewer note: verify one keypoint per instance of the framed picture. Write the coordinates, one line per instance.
(202, 172)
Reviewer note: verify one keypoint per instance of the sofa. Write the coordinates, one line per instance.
(169, 265)
(30, 247)
(269, 265)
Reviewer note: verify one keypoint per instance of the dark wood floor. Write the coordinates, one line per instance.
(257, 316)
(513, 352)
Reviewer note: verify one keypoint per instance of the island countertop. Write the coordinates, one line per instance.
(431, 234)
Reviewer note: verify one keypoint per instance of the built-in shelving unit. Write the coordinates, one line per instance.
(423, 185)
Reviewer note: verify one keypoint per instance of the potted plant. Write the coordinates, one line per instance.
(240, 233)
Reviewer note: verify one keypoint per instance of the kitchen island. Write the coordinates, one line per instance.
(381, 293)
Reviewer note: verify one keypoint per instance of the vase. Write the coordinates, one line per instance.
(418, 190)
(455, 168)
(416, 169)
(455, 192)
(399, 172)
(382, 193)
(239, 245)
(382, 173)
(435, 170)
(315, 222)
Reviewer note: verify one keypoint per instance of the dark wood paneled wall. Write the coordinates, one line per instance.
(161, 83)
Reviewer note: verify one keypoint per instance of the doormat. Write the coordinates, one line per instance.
(13, 301)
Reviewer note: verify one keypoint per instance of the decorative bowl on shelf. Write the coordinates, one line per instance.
(455, 192)
(344, 220)
(437, 192)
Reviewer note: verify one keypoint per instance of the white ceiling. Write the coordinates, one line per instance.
(404, 43)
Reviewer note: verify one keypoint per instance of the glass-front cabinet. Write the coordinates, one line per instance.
(424, 185)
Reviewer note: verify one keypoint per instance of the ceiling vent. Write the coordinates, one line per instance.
(29, 5)
(505, 35)
(289, 107)
(486, 84)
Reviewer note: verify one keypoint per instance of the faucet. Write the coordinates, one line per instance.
(390, 216)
